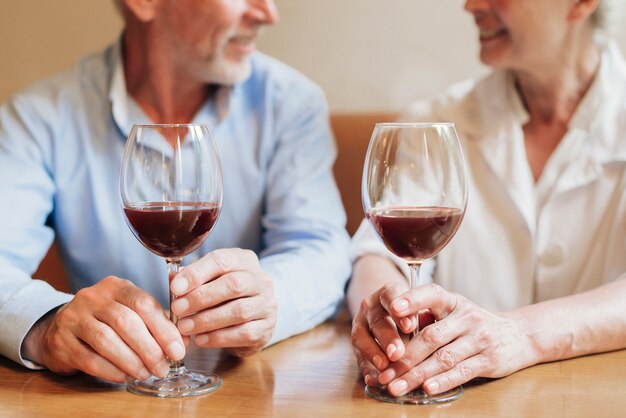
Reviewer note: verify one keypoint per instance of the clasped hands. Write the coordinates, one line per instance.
(115, 330)
(457, 341)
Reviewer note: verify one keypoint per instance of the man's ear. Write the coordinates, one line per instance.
(582, 9)
(143, 10)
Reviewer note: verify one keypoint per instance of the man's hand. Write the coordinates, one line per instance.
(111, 330)
(225, 300)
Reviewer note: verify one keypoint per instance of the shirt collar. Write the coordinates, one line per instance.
(126, 112)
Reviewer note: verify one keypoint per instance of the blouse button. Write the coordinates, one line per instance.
(553, 255)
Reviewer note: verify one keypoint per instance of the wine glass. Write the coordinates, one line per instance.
(171, 188)
(414, 194)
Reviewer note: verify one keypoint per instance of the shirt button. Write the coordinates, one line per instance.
(553, 255)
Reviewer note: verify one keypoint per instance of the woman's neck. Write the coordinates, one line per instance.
(552, 97)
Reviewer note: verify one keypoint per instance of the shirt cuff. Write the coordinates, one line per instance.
(22, 312)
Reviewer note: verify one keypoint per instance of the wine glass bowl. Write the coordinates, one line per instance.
(171, 189)
(414, 194)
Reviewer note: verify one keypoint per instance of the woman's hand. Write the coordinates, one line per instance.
(376, 339)
(465, 342)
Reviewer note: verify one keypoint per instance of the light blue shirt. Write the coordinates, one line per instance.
(61, 145)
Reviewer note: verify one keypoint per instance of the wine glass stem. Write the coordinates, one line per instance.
(415, 281)
(173, 267)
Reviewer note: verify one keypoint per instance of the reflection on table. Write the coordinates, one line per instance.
(315, 375)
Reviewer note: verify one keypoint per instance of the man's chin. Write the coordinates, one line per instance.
(230, 74)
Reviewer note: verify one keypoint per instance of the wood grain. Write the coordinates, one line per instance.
(315, 375)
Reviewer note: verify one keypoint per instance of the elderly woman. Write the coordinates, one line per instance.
(537, 270)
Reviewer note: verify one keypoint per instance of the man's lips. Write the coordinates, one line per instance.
(486, 34)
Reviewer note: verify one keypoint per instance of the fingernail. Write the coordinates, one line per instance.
(179, 285)
(185, 325)
(400, 305)
(180, 306)
(387, 376)
(432, 387)
(144, 374)
(162, 369)
(378, 361)
(176, 350)
(406, 323)
(201, 339)
(391, 348)
(367, 379)
(398, 387)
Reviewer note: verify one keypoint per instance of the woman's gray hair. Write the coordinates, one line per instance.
(609, 15)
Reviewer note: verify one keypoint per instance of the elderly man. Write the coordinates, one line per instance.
(276, 263)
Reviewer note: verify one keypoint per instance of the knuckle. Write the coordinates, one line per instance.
(432, 335)
(484, 338)
(364, 306)
(223, 259)
(101, 337)
(144, 304)
(465, 371)
(379, 322)
(416, 376)
(446, 358)
(250, 334)
(89, 364)
(404, 363)
(123, 319)
(236, 282)
(244, 310)
(437, 289)
(152, 354)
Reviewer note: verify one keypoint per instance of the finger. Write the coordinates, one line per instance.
(106, 343)
(384, 330)
(252, 334)
(368, 370)
(461, 373)
(409, 324)
(442, 360)
(134, 332)
(433, 297)
(365, 345)
(227, 287)
(421, 346)
(235, 312)
(152, 314)
(90, 362)
(211, 266)
(388, 293)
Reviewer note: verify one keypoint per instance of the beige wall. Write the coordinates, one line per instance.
(368, 55)
(41, 37)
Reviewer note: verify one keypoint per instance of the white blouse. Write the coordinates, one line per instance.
(523, 241)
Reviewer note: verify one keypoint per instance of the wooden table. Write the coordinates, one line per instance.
(314, 375)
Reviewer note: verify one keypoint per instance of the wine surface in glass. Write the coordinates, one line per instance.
(172, 229)
(415, 233)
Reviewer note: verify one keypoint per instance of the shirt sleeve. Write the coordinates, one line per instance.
(306, 244)
(27, 192)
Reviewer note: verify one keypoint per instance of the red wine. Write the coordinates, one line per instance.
(172, 229)
(415, 233)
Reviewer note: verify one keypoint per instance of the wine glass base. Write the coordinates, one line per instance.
(415, 397)
(177, 384)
